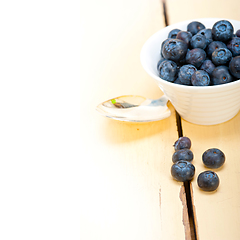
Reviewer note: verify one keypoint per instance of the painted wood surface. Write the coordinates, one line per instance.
(217, 213)
(127, 184)
(128, 189)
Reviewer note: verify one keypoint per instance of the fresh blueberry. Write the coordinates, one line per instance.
(213, 158)
(173, 33)
(234, 46)
(208, 181)
(221, 75)
(182, 142)
(221, 56)
(177, 81)
(196, 57)
(182, 154)
(234, 67)
(208, 67)
(160, 61)
(184, 36)
(162, 45)
(222, 31)
(185, 73)
(213, 46)
(198, 41)
(174, 49)
(207, 32)
(238, 33)
(183, 171)
(200, 78)
(168, 70)
(194, 27)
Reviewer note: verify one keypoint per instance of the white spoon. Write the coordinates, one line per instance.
(132, 108)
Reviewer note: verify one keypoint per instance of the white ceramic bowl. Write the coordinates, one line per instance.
(200, 105)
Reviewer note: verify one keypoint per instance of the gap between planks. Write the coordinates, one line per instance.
(189, 216)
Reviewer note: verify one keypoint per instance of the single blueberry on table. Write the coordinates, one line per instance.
(184, 36)
(213, 46)
(194, 27)
(173, 33)
(208, 181)
(182, 154)
(213, 158)
(221, 75)
(175, 50)
(198, 41)
(234, 67)
(185, 73)
(208, 66)
(183, 171)
(181, 143)
(222, 31)
(234, 46)
(196, 57)
(221, 56)
(168, 70)
(200, 78)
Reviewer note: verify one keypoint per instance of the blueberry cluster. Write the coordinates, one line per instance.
(200, 56)
(183, 170)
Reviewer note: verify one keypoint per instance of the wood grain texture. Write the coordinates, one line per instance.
(127, 187)
(181, 10)
(217, 213)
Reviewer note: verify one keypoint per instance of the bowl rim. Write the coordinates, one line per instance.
(170, 84)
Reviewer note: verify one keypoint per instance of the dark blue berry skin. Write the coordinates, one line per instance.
(173, 33)
(198, 41)
(207, 32)
(196, 57)
(184, 36)
(168, 70)
(234, 67)
(194, 27)
(213, 46)
(221, 56)
(175, 49)
(183, 171)
(221, 75)
(182, 142)
(237, 33)
(213, 158)
(163, 44)
(234, 46)
(185, 73)
(183, 154)
(222, 31)
(208, 181)
(208, 67)
(200, 78)
(160, 61)
(177, 81)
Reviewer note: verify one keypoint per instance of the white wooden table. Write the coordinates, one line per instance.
(68, 173)
(131, 194)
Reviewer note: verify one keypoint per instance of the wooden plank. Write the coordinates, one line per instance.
(217, 214)
(127, 187)
(221, 207)
(181, 10)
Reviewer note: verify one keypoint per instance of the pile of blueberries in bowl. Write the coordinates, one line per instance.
(201, 56)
